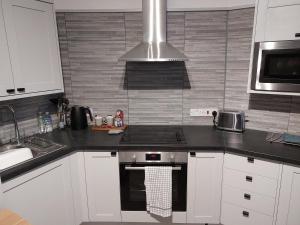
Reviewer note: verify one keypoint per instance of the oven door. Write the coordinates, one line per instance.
(133, 191)
(276, 66)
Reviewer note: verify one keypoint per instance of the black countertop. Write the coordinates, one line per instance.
(198, 138)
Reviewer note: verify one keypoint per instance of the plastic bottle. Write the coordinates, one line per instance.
(41, 123)
(48, 122)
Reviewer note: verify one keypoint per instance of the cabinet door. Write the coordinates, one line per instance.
(283, 23)
(204, 188)
(289, 198)
(42, 197)
(276, 3)
(7, 84)
(103, 188)
(33, 45)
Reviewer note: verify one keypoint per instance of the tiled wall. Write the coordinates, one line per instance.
(26, 112)
(217, 44)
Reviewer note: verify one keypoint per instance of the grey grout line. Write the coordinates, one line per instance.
(226, 54)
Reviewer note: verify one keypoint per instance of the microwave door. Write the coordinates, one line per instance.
(276, 67)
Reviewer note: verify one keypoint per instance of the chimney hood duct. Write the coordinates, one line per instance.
(154, 47)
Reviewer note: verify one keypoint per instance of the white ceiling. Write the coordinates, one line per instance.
(135, 5)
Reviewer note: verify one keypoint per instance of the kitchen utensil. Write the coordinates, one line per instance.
(98, 120)
(231, 121)
(79, 117)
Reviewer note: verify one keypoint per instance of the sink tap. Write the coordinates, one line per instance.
(17, 132)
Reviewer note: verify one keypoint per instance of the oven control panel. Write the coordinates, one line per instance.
(153, 157)
(159, 157)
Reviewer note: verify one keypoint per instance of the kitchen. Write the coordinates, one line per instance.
(70, 53)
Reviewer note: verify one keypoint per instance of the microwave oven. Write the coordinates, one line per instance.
(276, 66)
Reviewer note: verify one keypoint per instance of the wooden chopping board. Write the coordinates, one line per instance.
(7, 217)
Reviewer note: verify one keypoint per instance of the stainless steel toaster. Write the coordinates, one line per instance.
(231, 121)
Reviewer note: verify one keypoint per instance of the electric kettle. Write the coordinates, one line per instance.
(78, 117)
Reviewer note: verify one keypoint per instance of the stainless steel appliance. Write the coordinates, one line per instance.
(231, 121)
(154, 46)
(132, 177)
(276, 66)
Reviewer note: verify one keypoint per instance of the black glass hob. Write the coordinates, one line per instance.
(153, 135)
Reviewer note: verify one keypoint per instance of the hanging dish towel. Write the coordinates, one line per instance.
(158, 182)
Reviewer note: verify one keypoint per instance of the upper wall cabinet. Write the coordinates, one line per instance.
(277, 20)
(7, 84)
(31, 36)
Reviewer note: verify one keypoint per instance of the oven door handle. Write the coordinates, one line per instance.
(143, 168)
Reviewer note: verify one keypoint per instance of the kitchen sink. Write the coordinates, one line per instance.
(11, 155)
(32, 147)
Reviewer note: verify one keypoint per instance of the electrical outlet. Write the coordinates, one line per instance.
(203, 112)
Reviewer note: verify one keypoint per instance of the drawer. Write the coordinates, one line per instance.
(234, 215)
(250, 182)
(276, 3)
(252, 165)
(249, 200)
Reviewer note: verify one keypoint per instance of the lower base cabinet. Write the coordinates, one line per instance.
(103, 186)
(289, 197)
(204, 187)
(43, 196)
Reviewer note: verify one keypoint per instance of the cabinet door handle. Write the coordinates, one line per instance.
(21, 89)
(10, 91)
(297, 35)
(250, 160)
(192, 154)
(113, 154)
(246, 214)
(247, 196)
(249, 178)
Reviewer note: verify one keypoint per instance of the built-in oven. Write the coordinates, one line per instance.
(276, 66)
(132, 178)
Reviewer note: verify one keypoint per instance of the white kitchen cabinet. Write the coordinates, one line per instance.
(33, 46)
(1, 196)
(43, 196)
(276, 3)
(7, 83)
(250, 190)
(79, 188)
(103, 186)
(204, 187)
(277, 20)
(283, 23)
(289, 200)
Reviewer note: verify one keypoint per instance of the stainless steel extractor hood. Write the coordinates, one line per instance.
(154, 47)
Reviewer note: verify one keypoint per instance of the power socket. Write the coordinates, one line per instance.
(203, 112)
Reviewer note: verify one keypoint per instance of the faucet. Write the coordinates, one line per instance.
(17, 132)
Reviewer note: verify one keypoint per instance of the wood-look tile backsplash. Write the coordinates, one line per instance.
(218, 45)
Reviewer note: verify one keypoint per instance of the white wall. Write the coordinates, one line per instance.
(136, 5)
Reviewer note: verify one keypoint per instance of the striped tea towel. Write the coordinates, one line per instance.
(158, 182)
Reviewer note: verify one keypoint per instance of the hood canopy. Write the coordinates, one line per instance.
(154, 47)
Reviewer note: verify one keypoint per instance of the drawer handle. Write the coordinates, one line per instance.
(249, 178)
(10, 91)
(245, 214)
(113, 154)
(297, 35)
(250, 160)
(192, 154)
(247, 196)
(21, 89)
